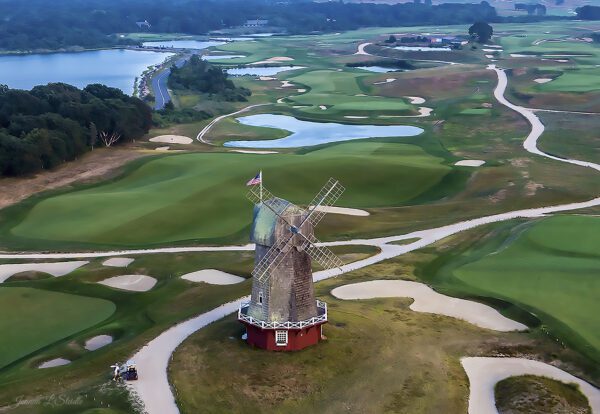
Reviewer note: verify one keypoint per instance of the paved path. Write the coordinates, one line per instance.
(159, 84)
(200, 136)
(361, 49)
(153, 388)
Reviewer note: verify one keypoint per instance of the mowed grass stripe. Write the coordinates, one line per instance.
(33, 318)
(202, 196)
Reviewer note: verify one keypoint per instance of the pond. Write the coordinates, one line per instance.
(183, 44)
(306, 133)
(264, 71)
(221, 57)
(378, 69)
(114, 67)
(423, 48)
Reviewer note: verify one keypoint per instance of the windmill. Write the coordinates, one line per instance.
(283, 313)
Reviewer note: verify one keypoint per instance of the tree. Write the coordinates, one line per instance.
(481, 31)
(391, 39)
(93, 137)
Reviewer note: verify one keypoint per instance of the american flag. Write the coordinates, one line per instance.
(256, 180)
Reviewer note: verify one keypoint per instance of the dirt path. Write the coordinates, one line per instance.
(361, 49)
(98, 164)
(200, 136)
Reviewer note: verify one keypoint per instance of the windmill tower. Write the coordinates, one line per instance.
(283, 314)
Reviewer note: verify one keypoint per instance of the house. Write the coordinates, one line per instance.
(143, 24)
(256, 23)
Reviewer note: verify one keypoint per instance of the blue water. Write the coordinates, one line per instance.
(183, 44)
(305, 133)
(116, 68)
(221, 57)
(269, 71)
(378, 69)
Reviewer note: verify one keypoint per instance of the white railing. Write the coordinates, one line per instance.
(321, 307)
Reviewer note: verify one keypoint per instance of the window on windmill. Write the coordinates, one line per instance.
(260, 297)
(281, 338)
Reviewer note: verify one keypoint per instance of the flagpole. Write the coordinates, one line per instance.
(261, 187)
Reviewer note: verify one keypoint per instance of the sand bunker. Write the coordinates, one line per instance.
(543, 80)
(54, 363)
(266, 78)
(322, 107)
(416, 100)
(135, 283)
(55, 269)
(343, 210)
(429, 301)
(301, 90)
(485, 373)
(213, 277)
(98, 342)
(492, 50)
(388, 80)
(118, 262)
(423, 111)
(161, 148)
(273, 60)
(286, 84)
(172, 139)
(519, 55)
(489, 56)
(355, 117)
(254, 152)
(470, 163)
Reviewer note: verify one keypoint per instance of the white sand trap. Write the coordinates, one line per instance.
(388, 80)
(118, 262)
(423, 112)
(494, 46)
(54, 363)
(266, 78)
(519, 55)
(416, 100)
(301, 90)
(489, 56)
(492, 50)
(470, 163)
(172, 139)
(275, 59)
(98, 342)
(429, 301)
(343, 210)
(135, 283)
(55, 269)
(542, 80)
(213, 277)
(254, 152)
(322, 107)
(161, 148)
(355, 117)
(485, 373)
(286, 84)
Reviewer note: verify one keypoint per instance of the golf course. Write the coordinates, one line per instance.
(486, 198)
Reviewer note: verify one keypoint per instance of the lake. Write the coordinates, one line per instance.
(221, 57)
(306, 133)
(423, 48)
(184, 44)
(378, 69)
(114, 67)
(264, 71)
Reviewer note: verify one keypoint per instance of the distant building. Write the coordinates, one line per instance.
(256, 23)
(143, 25)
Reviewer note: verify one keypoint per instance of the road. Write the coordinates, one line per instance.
(200, 136)
(159, 85)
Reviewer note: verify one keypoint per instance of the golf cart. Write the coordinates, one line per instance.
(125, 372)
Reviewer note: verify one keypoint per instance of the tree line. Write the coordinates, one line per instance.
(40, 24)
(55, 123)
(588, 12)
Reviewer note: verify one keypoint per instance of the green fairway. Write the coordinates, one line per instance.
(32, 319)
(552, 269)
(201, 196)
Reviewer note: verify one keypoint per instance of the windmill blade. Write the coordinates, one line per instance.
(271, 259)
(320, 254)
(327, 197)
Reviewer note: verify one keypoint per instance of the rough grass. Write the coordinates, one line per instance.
(529, 394)
(33, 318)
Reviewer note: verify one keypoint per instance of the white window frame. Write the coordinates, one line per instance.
(279, 335)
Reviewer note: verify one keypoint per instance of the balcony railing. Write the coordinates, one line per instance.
(321, 318)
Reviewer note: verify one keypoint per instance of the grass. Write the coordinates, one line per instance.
(476, 111)
(170, 193)
(23, 309)
(548, 268)
(530, 394)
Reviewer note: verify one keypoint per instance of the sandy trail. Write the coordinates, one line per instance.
(153, 388)
(361, 49)
(203, 132)
(428, 300)
(55, 269)
(485, 373)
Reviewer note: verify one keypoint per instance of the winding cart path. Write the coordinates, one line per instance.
(153, 388)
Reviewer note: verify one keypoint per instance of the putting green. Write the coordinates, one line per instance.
(201, 196)
(32, 319)
(551, 268)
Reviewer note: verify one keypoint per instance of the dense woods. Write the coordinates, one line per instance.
(200, 76)
(588, 12)
(44, 127)
(40, 24)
